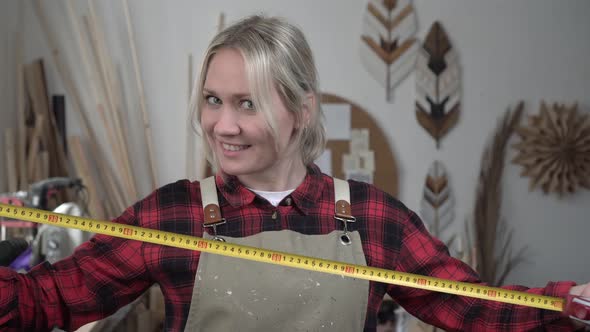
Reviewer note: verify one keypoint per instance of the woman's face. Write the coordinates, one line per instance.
(236, 130)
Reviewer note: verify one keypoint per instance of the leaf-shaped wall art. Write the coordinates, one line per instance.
(437, 206)
(388, 47)
(438, 95)
(554, 150)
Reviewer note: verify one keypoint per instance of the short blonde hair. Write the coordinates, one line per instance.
(275, 53)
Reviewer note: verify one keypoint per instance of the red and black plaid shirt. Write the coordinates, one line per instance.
(107, 272)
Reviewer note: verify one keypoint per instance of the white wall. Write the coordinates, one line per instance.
(509, 50)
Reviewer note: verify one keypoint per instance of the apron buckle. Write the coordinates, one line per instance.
(345, 238)
(214, 227)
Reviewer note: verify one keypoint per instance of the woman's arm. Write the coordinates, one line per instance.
(101, 276)
(423, 254)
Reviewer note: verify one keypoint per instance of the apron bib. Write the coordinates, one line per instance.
(232, 294)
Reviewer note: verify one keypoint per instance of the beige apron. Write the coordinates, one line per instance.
(232, 294)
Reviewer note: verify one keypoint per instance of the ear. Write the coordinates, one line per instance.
(308, 107)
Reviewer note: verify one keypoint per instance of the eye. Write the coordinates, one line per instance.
(247, 104)
(212, 100)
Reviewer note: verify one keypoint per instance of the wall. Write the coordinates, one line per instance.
(527, 50)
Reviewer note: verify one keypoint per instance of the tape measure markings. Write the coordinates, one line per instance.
(284, 259)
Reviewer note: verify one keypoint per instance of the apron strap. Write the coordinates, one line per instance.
(342, 199)
(211, 211)
(342, 208)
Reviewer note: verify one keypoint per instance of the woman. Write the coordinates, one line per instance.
(257, 103)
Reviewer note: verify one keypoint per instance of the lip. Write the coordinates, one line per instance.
(231, 153)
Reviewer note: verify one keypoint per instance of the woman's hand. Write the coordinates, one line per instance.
(581, 290)
(579, 310)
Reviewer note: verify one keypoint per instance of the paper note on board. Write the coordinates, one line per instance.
(337, 121)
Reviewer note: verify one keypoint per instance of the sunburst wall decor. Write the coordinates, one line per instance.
(554, 150)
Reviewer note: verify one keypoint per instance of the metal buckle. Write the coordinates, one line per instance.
(345, 238)
(214, 227)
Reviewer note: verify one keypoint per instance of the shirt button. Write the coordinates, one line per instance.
(274, 215)
(288, 201)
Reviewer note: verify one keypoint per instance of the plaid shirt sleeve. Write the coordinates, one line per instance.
(106, 273)
(426, 255)
(101, 276)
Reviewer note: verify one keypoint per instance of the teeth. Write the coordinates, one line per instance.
(234, 147)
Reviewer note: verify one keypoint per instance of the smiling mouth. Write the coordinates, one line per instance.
(231, 147)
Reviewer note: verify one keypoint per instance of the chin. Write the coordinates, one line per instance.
(235, 170)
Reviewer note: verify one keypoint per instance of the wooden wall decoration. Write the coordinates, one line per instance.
(554, 149)
(437, 206)
(388, 47)
(438, 95)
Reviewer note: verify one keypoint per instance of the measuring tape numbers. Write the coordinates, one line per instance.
(282, 258)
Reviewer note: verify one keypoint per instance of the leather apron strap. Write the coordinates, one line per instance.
(342, 208)
(211, 211)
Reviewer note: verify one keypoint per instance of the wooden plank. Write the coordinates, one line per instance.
(58, 106)
(11, 160)
(113, 188)
(84, 171)
(110, 119)
(21, 130)
(33, 153)
(191, 173)
(35, 80)
(147, 128)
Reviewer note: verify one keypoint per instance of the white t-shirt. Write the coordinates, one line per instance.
(274, 197)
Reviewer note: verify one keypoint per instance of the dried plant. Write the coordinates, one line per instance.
(492, 235)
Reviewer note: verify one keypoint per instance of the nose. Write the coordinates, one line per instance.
(228, 123)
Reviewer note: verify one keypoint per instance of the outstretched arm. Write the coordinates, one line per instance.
(423, 254)
(102, 275)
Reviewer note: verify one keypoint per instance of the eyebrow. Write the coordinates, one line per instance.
(234, 96)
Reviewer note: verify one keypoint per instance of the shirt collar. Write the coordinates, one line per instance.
(305, 196)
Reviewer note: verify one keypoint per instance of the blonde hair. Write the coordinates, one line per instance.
(275, 54)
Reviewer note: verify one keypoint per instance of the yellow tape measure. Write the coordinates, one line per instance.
(282, 258)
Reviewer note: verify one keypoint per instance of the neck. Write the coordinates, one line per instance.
(287, 176)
